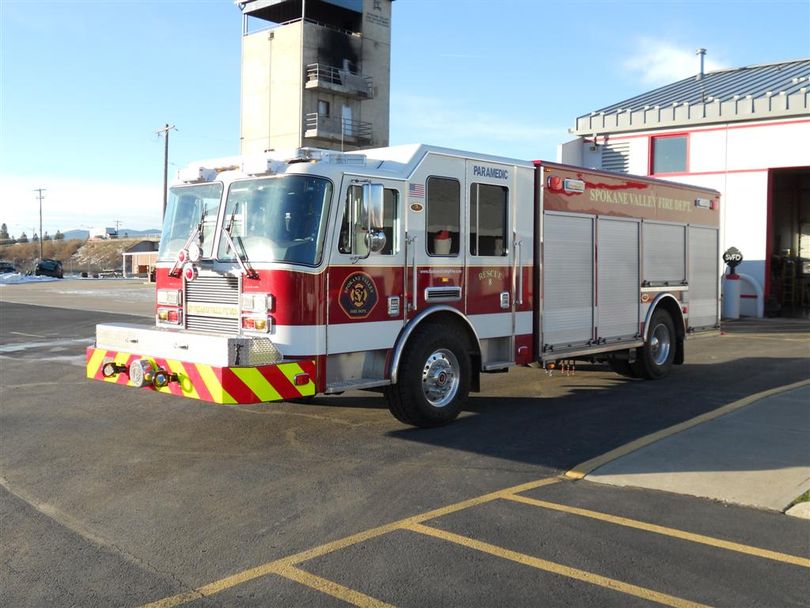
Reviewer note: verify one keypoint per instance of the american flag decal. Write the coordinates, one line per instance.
(417, 190)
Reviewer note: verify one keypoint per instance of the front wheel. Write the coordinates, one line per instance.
(658, 353)
(433, 380)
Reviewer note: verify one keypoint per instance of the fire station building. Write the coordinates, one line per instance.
(742, 131)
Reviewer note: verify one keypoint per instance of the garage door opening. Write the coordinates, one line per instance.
(787, 287)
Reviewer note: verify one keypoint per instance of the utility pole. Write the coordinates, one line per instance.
(165, 130)
(301, 118)
(39, 192)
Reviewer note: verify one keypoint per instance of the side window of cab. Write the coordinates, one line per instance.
(353, 242)
(443, 236)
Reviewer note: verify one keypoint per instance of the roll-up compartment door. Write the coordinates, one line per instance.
(567, 280)
(617, 290)
(664, 253)
(703, 277)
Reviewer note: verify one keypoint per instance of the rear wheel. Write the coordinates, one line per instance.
(433, 380)
(656, 357)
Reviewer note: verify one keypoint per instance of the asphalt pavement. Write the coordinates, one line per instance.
(114, 496)
(753, 452)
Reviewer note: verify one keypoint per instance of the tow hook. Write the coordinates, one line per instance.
(162, 378)
(111, 368)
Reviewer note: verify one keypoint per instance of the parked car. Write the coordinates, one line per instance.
(6, 267)
(49, 268)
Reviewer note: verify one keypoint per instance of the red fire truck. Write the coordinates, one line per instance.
(413, 270)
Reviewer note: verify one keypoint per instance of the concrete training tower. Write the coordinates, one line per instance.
(319, 75)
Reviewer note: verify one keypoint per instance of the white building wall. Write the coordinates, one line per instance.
(733, 159)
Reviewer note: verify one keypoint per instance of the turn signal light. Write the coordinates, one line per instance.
(170, 315)
(256, 324)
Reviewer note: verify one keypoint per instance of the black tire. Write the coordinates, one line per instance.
(623, 367)
(656, 356)
(433, 380)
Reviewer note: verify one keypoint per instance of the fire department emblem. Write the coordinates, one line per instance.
(358, 296)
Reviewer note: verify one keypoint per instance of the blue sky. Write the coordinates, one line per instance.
(84, 85)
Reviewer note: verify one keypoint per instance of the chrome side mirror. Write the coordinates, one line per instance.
(375, 241)
(373, 206)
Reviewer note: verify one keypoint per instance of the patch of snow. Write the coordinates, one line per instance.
(15, 278)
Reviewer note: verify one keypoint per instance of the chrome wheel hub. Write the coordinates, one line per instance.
(440, 378)
(660, 344)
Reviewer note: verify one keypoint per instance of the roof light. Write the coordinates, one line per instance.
(261, 165)
(190, 175)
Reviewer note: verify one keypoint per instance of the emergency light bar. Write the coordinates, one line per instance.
(191, 175)
(327, 156)
(261, 165)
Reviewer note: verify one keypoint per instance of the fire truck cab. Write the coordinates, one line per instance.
(413, 269)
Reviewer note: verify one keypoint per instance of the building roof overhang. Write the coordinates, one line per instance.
(769, 91)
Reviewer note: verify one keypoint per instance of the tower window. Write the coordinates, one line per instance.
(323, 107)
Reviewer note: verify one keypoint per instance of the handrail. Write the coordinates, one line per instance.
(341, 77)
(344, 127)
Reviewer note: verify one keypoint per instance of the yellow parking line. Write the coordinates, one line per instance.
(398, 525)
(671, 532)
(555, 568)
(280, 565)
(332, 588)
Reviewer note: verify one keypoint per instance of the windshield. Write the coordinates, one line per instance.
(277, 219)
(185, 207)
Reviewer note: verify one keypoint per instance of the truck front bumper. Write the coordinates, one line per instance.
(218, 384)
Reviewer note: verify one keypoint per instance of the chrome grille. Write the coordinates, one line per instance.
(221, 289)
(213, 290)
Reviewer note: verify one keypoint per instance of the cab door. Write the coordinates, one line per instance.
(493, 259)
(365, 289)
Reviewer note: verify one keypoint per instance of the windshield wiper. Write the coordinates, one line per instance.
(244, 264)
(198, 231)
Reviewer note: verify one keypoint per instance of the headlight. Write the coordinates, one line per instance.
(257, 302)
(169, 297)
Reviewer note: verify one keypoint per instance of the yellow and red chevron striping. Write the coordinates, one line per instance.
(227, 385)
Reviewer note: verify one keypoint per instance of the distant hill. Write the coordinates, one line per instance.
(122, 232)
